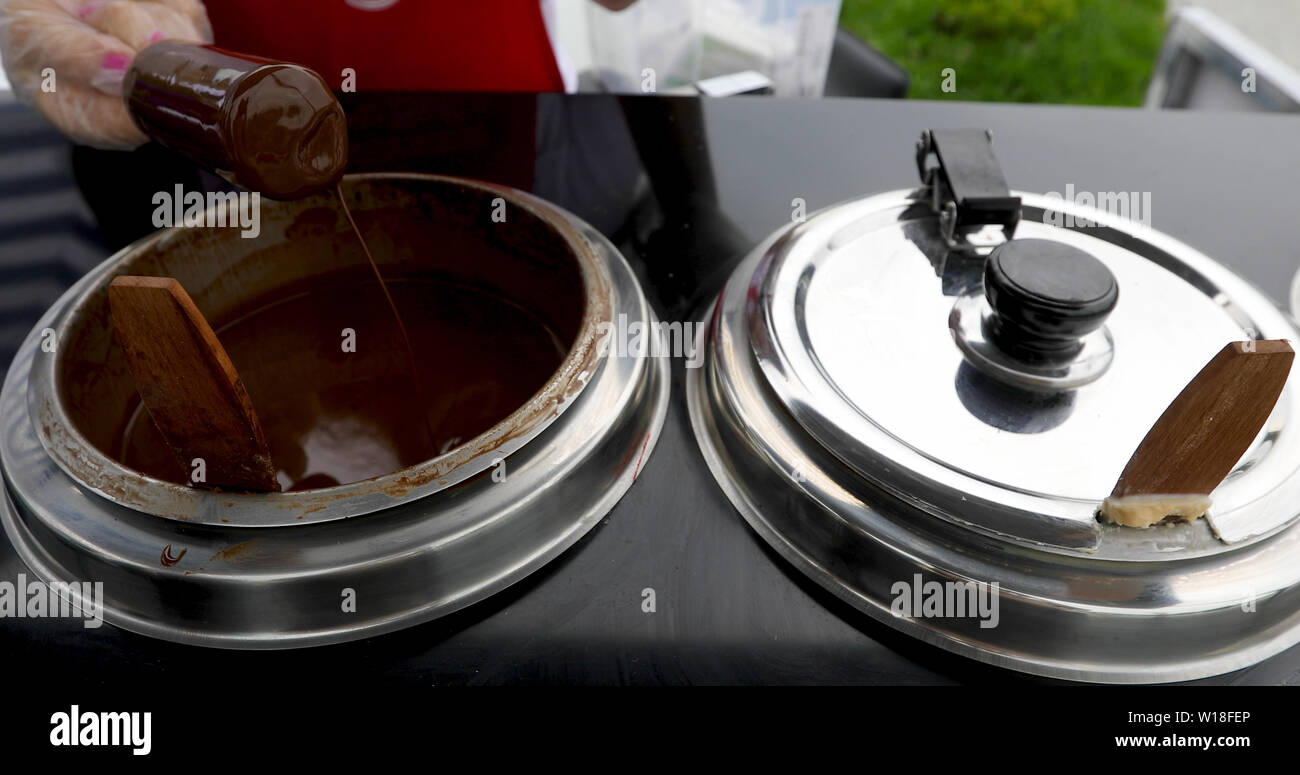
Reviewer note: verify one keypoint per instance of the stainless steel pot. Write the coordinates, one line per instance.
(269, 570)
(842, 410)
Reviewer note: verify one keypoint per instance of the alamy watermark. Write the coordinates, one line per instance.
(917, 599)
(192, 209)
(92, 728)
(634, 339)
(1133, 205)
(36, 599)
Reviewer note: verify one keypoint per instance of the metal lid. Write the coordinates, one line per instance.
(878, 336)
(869, 415)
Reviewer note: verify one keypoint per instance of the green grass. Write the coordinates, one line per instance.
(1094, 52)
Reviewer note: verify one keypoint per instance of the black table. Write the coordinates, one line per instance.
(685, 187)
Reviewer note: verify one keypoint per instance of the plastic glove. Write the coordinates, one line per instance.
(69, 57)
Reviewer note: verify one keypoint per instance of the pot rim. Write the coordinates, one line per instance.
(97, 471)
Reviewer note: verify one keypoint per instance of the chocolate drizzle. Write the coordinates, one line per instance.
(397, 316)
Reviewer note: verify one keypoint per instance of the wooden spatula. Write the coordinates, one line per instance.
(188, 384)
(1201, 436)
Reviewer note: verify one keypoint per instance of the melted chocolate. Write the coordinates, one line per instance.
(334, 417)
(269, 126)
(392, 305)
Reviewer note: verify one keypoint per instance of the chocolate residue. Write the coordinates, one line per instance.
(429, 238)
(239, 551)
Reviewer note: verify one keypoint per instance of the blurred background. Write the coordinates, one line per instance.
(1090, 52)
(1159, 53)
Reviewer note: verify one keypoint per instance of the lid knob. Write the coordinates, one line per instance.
(1045, 297)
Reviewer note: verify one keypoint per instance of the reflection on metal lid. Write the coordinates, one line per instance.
(853, 336)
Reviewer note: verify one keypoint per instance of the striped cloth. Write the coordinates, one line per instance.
(48, 237)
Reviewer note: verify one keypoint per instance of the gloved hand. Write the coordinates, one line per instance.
(68, 58)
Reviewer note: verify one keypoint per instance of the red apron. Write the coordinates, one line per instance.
(452, 45)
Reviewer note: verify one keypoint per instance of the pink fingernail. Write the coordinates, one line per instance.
(156, 36)
(89, 8)
(115, 60)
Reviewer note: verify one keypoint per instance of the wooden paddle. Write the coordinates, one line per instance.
(188, 384)
(1202, 435)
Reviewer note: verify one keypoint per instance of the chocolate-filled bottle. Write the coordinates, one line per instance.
(268, 126)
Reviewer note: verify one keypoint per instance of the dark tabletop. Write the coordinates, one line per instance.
(684, 187)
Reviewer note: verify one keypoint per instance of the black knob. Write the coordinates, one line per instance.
(1045, 297)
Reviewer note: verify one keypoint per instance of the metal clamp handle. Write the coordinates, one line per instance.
(966, 185)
